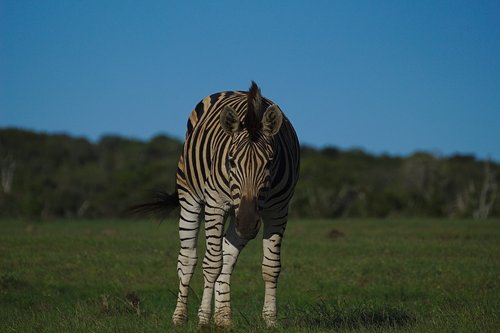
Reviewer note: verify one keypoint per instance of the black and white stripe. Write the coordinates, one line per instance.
(240, 160)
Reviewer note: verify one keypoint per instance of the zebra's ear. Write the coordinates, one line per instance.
(229, 120)
(271, 120)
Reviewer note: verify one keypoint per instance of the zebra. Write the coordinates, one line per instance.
(240, 162)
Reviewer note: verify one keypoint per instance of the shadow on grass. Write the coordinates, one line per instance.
(335, 316)
(15, 292)
(11, 282)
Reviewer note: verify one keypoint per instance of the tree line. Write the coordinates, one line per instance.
(47, 176)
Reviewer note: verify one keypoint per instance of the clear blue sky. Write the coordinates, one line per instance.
(385, 76)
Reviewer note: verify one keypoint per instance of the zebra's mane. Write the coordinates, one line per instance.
(253, 117)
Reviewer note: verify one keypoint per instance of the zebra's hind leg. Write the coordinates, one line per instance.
(271, 267)
(212, 262)
(189, 223)
(232, 246)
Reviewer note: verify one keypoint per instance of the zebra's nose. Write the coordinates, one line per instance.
(244, 231)
(248, 219)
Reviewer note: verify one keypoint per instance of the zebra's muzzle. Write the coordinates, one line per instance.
(247, 219)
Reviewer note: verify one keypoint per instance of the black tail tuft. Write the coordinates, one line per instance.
(162, 205)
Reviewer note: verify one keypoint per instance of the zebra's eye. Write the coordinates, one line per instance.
(231, 162)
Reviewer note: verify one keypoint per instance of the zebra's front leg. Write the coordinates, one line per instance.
(212, 263)
(271, 268)
(188, 232)
(232, 247)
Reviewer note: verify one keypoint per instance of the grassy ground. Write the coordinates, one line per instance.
(341, 275)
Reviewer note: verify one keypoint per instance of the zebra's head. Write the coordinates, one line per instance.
(249, 158)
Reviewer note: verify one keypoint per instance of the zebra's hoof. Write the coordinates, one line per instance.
(270, 321)
(204, 328)
(203, 319)
(179, 319)
(223, 325)
(222, 319)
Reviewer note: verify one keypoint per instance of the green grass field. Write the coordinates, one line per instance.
(408, 275)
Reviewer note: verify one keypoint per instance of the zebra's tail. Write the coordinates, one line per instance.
(163, 203)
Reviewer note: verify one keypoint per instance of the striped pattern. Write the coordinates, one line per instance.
(231, 167)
